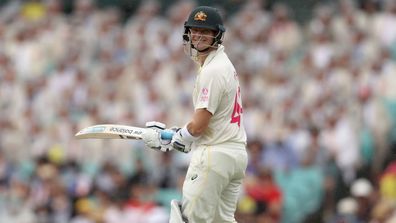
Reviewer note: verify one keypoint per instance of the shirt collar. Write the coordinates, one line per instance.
(213, 54)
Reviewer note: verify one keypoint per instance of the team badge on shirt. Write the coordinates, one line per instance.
(204, 95)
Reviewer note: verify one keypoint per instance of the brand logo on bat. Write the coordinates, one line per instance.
(122, 130)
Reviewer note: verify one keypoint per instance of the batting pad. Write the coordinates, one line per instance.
(176, 215)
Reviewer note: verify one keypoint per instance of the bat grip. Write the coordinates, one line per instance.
(167, 134)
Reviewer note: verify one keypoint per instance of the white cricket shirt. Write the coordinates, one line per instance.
(217, 89)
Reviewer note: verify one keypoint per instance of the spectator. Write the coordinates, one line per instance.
(266, 194)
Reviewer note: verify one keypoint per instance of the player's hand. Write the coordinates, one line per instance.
(155, 125)
(152, 137)
(180, 142)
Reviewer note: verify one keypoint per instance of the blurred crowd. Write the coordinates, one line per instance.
(319, 109)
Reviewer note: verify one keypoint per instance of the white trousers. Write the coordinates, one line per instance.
(212, 184)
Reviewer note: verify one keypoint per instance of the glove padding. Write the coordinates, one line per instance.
(182, 140)
(152, 137)
(155, 125)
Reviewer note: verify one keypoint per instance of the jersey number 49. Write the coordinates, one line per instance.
(237, 112)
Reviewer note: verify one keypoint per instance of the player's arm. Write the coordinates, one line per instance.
(199, 122)
(184, 137)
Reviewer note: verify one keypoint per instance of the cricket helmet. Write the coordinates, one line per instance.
(205, 17)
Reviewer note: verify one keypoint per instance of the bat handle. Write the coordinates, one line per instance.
(167, 134)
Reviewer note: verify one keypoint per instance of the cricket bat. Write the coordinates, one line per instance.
(114, 131)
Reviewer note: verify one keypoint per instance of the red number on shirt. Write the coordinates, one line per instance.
(236, 113)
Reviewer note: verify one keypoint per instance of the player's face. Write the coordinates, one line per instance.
(202, 38)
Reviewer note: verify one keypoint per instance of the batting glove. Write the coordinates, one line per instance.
(155, 125)
(152, 137)
(182, 140)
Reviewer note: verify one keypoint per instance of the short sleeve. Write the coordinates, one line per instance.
(210, 90)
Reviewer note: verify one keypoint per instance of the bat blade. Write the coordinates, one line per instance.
(110, 131)
(114, 131)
